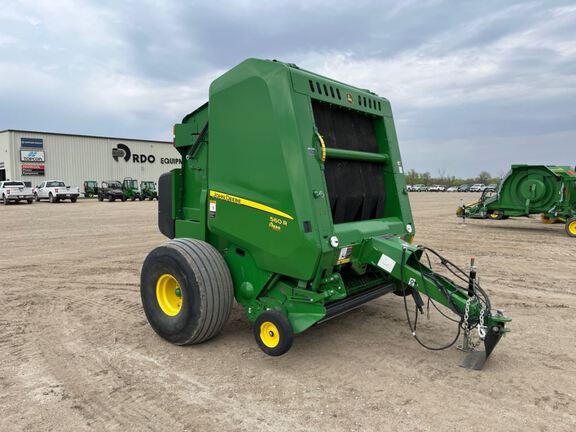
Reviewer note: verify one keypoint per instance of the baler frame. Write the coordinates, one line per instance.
(309, 217)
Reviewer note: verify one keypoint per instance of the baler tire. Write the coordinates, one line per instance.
(571, 227)
(273, 333)
(206, 291)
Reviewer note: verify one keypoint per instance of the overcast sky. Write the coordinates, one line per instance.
(474, 85)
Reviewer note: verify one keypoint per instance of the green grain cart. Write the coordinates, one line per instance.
(530, 189)
(291, 199)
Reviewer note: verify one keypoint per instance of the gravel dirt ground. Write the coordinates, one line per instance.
(76, 352)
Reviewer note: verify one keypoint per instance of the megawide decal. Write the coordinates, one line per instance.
(248, 203)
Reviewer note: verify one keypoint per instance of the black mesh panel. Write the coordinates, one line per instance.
(355, 188)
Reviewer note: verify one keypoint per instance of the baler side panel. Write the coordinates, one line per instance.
(257, 174)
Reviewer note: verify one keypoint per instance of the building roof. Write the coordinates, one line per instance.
(85, 136)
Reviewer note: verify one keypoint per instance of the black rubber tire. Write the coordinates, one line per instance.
(30, 201)
(51, 198)
(100, 198)
(4, 200)
(73, 199)
(206, 286)
(133, 198)
(140, 198)
(570, 223)
(111, 199)
(36, 197)
(123, 199)
(284, 331)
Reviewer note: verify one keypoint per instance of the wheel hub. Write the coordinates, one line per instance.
(269, 334)
(169, 294)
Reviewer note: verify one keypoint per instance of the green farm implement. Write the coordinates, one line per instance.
(90, 188)
(130, 189)
(291, 199)
(530, 189)
(148, 190)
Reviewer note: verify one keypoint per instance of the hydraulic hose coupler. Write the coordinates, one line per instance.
(472, 278)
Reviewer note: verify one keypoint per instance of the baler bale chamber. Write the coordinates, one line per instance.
(548, 190)
(291, 199)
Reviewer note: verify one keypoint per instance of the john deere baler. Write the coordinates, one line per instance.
(530, 189)
(291, 199)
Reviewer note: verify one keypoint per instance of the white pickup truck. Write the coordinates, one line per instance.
(55, 191)
(15, 191)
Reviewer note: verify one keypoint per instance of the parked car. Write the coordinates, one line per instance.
(416, 187)
(452, 189)
(111, 190)
(437, 188)
(55, 191)
(15, 191)
(478, 187)
(491, 187)
(464, 188)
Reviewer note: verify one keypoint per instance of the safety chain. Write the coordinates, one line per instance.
(481, 327)
(468, 340)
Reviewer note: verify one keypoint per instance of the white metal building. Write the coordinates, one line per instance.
(36, 156)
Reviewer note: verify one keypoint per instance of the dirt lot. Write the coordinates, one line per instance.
(77, 353)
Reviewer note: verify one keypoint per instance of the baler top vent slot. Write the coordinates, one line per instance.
(325, 90)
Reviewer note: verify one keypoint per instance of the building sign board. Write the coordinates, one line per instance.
(32, 142)
(33, 169)
(32, 156)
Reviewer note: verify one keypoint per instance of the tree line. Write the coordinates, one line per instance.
(425, 178)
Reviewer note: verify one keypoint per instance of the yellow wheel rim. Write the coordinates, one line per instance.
(493, 216)
(269, 334)
(572, 228)
(169, 294)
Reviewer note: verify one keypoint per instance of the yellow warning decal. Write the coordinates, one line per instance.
(237, 200)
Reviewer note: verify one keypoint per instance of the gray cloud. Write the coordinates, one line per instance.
(474, 85)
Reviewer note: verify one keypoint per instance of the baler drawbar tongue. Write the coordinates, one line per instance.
(470, 302)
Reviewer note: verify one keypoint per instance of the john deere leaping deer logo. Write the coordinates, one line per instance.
(349, 98)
